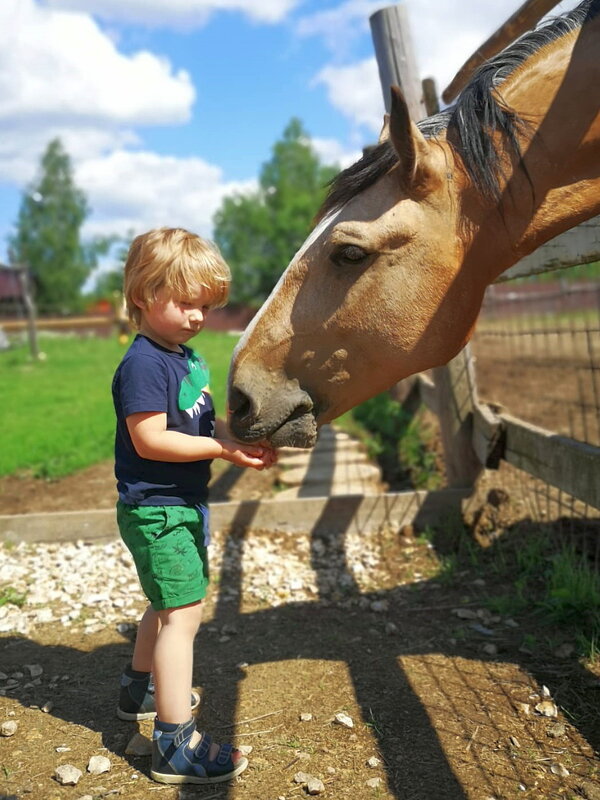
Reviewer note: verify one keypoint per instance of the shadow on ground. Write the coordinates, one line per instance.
(419, 696)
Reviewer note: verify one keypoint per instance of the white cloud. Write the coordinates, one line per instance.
(62, 76)
(355, 91)
(178, 13)
(444, 32)
(56, 66)
(333, 152)
(141, 190)
(340, 25)
(21, 146)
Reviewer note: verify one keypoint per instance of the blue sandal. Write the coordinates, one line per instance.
(173, 761)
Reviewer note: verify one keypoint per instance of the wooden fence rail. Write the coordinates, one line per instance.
(475, 436)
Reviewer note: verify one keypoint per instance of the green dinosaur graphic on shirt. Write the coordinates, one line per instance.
(195, 382)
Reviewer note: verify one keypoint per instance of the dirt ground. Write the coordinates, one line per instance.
(439, 690)
(94, 487)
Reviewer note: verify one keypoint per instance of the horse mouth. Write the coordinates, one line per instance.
(297, 431)
(292, 423)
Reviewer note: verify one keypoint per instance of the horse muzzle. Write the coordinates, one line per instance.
(266, 407)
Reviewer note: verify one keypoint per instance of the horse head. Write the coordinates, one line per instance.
(391, 280)
(362, 304)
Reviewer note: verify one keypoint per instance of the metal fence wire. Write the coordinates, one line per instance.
(537, 357)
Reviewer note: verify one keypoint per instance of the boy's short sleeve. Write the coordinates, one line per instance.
(143, 385)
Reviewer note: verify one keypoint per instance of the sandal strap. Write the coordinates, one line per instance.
(184, 733)
(202, 749)
(224, 755)
(222, 759)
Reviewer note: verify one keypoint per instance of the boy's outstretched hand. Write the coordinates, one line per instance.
(257, 456)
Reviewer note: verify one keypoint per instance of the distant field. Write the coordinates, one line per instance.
(57, 414)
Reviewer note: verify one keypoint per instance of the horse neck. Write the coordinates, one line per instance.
(557, 183)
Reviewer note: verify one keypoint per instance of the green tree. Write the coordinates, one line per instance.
(47, 236)
(259, 232)
(110, 281)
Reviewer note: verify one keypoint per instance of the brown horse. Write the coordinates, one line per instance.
(391, 280)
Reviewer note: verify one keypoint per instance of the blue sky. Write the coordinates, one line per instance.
(167, 106)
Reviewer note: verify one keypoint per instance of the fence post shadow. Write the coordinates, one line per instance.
(388, 703)
(400, 723)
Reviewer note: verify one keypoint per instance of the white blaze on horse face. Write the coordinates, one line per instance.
(319, 229)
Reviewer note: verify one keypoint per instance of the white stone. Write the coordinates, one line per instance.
(373, 762)
(68, 775)
(547, 708)
(9, 728)
(44, 615)
(315, 786)
(374, 783)
(344, 720)
(302, 777)
(98, 764)
(379, 606)
(465, 613)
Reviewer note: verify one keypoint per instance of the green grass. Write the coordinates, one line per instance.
(398, 441)
(57, 413)
(9, 595)
(550, 578)
(540, 323)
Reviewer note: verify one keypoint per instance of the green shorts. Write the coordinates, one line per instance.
(168, 547)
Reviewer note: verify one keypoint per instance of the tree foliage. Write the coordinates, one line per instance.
(47, 236)
(109, 282)
(259, 232)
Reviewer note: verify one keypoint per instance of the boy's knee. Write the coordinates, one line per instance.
(188, 616)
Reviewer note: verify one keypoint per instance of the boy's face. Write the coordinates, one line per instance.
(172, 320)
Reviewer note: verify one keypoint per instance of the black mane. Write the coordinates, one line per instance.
(472, 120)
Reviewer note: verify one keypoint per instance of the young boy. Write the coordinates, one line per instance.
(163, 448)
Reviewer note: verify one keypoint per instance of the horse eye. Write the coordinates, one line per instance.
(349, 254)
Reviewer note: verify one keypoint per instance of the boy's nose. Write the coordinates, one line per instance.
(196, 315)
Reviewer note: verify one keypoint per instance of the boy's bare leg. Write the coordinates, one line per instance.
(145, 641)
(173, 662)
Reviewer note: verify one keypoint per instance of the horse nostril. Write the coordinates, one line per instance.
(240, 405)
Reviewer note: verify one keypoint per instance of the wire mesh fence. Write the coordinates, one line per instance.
(537, 351)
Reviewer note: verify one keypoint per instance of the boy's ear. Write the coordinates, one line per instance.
(139, 303)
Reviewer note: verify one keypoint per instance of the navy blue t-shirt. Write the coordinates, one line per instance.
(152, 378)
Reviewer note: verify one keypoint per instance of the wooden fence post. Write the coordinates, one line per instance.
(456, 398)
(430, 98)
(23, 273)
(396, 60)
(454, 383)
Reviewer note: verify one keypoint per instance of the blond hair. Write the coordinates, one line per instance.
(176, 260)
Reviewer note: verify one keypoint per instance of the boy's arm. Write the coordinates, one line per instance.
(152, 440)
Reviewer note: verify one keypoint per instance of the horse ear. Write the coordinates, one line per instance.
(410, 144)
(385, 130)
